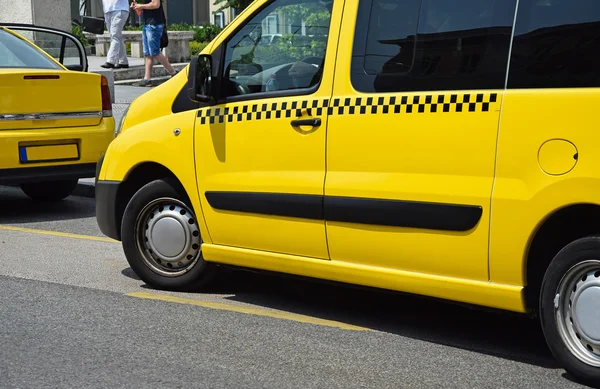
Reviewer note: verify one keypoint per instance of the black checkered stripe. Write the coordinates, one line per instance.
(263, 111)
(420, 104)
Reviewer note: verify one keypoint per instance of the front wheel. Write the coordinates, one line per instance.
(161, 238)
(49, 190)
(570, 309)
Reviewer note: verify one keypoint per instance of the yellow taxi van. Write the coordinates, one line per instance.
(441, 148)
(55, 118)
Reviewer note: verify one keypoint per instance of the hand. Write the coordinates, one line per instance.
(133, 5)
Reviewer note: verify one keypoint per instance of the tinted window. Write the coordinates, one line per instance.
(17, 53)
(256, 63)
(51, 43)
(556, 44)
(420, 45)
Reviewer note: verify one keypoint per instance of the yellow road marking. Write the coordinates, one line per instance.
(249, 311)
(56, 233)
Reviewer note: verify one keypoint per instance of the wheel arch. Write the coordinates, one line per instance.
(560, 227)
(136, 178)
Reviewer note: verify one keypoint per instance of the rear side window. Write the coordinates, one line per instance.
(424, 45)
(556, 44)
(17, 53)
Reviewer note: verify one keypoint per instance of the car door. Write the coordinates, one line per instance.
(412, 134)
(66, 48)
(260, 150)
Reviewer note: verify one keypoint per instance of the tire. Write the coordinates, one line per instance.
(49, 190)
(164, 250)
(570, 309)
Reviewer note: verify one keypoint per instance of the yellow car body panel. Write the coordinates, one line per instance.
(498, 296)
(246, 156)
(524, 194)
(423, 154)
(59, 92)
(256, 149)
(155, 141)
(156, 102)
(479, 149)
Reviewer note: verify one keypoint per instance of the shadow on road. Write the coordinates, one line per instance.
(505, 335)
(16, 208)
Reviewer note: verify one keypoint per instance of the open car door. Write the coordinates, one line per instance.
(65, 47)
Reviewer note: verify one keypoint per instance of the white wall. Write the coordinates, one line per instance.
(16, 11)
(46, 13)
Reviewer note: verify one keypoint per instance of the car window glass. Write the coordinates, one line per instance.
(421, 45)
(17, 53)
(556, 44)
(52, 44)
(281, 48)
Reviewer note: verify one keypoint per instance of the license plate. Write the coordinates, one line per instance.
(48, 153)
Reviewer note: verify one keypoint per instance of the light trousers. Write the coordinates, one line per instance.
(115, 21)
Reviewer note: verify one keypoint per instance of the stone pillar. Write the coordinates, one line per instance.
(44, 13)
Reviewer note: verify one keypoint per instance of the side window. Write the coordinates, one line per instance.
(282, 48)
(555, 44)
(17, 53)
(60, 47)
(424, 45)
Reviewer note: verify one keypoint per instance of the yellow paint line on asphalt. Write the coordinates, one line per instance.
(56, 233)
(247, 310)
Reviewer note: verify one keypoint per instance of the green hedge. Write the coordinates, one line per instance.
(197, 47)
(205, 33)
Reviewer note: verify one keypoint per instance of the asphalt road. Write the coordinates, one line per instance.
(73, 314)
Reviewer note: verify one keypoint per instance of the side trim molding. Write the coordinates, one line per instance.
(393, 213)
(275, 204)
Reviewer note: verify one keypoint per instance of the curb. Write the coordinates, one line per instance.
(85, 189)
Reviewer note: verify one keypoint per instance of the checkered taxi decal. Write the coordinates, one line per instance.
(389, 105)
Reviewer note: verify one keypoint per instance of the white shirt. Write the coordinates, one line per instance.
(115, 5)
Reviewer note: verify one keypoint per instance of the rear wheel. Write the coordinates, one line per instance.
(161, 238)
(49, 190)
(570, 309)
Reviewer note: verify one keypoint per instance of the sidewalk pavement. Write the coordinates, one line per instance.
(94, 62)
(124, 96)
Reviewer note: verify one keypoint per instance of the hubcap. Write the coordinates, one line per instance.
(168, 237)
(587, 313)
(577, 310)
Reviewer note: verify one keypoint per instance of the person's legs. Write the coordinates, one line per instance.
(148, 62)
(115, 38)
(164, 61)
(146, 38)
(120, 20)
(157, 54)
(110, 54)
(151, 39)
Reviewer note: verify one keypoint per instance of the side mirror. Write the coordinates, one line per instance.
(200, 87)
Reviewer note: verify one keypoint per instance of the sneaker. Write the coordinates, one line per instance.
(108, 65)
(174, 74)
(143, 82)
(122, 66)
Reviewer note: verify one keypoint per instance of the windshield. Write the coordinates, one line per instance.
(17, 53)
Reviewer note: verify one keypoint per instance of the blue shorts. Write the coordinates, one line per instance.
(151, 34)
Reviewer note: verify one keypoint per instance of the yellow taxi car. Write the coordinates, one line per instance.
(55, 118)
(440, 148)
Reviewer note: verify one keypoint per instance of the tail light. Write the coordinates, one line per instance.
(106, 101)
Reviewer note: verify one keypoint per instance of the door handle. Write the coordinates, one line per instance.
(306, 122)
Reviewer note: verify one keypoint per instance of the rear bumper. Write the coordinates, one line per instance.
(92, 143)
(106, 208)
(47, 173)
